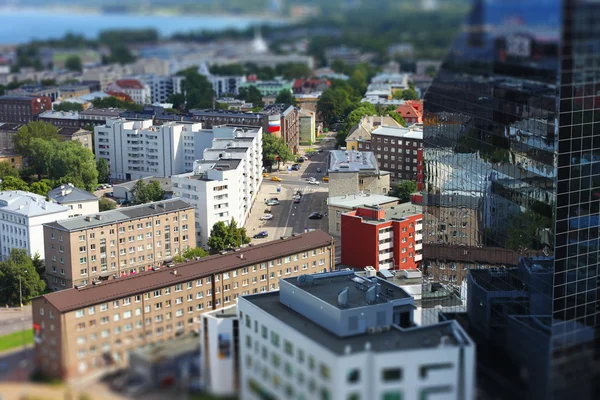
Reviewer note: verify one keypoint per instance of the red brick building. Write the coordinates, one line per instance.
(22, 108)
(382, 238)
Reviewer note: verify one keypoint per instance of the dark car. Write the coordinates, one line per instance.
(301, 159)
(261, 235)
(296, 167)
(315, 215)
(320, 150)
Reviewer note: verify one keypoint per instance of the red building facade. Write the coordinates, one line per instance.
(23, 109)
(382, 238)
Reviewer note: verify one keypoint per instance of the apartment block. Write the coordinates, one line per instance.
(342, 336)
(83, 330)
(351, 172)
(383, 238)
(161, 86)
(77, 200)
(112, 244)
(225, 183)
(22, 215)
(22, 108)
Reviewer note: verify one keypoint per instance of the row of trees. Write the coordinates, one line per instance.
(68, 106)
(275, 150)
(113, 102)
(197, 91)
(286, 71)
(20, 268)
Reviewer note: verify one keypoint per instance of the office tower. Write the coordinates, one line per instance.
(511, 122)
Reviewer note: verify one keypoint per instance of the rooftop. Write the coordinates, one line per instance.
(395, 213)
(70, 194)
(73, 299)
(225, 113)
(504, 280)
(360, 199)
(19, 97)
(167, 350)
(328, 287)
(165, 183)
(412, 132)
(120, 215)
(352, 161)
(129, 84)
(105, 112)
(394, 339)
(60, 114)
(28, 204)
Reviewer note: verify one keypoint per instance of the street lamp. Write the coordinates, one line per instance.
(21, 292)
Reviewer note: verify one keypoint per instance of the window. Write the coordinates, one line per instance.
(395, 395)
(353, 375)
(79, 313)
(391, 374)
(289, 348)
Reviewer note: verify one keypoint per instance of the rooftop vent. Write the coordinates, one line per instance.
(174, 272)
(343, 296)
(161, 205)
(371, 294)
(308, 279)
(153, 206)
(88, 219)
(99, 217)
(241, 256)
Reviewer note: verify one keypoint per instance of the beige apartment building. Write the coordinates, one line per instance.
(117, 243)
(82, 330)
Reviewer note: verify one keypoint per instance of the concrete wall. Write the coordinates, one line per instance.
(375, 184)
(341, 183)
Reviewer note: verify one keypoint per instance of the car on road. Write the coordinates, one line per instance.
(319, 170)
(296, 167)
(266, 217)
(315, 215)
(301, 159)
(297, 200)
(320, 150)
(315, 182)
(311, 178)
(326, 179)
(298, 193)
(272, 202)
(275, 179)
(261, 235)
(265, 175)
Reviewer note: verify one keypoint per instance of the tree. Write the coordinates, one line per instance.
(103, 170)
(431, 71)
(113, 102)
(397, 117)
(195, 252)
(198, 91)
(73, 63)
(74, 164)
(68, 106)
(119, 53)
(38, 264)
(41, 188)
(362, 110)
(410, 94)
(285, 97)
(105, 204)
(397, 95)
(332, 105)
(275, 150)
(224, 236)
(144, 193)
(403, 190)
(154, 191)
(251, 94)
(14, 183)
(19, 267)
(178, 101)
(6, 169)
(34, 129)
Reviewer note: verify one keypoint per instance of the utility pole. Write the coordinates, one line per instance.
(21, 292)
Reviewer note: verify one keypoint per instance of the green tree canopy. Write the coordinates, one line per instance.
(274, 148)
(68, 106)
(195, 252)
(403, 190)
(113, 102)
(105, 204)
(332, 105)
(198, 91)
(19, 266)
(224, 236)
(285, 97)
(73, 63)
(410, 94)
(103, 170)
(146, 192)
(251, 94)
(42, 188)
(6, 169)
(14, 183)
(397, 117)
(34, 129)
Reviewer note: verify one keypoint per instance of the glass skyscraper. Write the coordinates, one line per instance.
(512, 193)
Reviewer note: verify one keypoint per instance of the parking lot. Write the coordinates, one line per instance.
(290, 217)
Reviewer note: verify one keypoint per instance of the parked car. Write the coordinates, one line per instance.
(261, 235)
(301, 159)
(296, 167)
(320, 150)
(315, 182)
(297, 200)
(266, 217)
(326, 179)
(272, 202)
(275, 179)
(265, 175)
(315, 215)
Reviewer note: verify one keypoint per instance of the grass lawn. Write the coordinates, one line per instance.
(16, 339)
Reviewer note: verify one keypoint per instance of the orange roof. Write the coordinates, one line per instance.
(129, 84)
(411, 109)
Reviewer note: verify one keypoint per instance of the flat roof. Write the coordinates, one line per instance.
(165, 183)
(394, 339)
(73, 299)
(327, 289)
(352, 161)
(395, 213)
(120, 215)
(60, 114)
(412, 132)
(168, 350)
(360, 199)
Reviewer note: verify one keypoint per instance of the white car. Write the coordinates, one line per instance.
(266, 217)
(313, 182)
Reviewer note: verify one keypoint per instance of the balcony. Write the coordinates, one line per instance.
(386, 235)
(418, 237)
(386, 256)
(385, 246)
(418, 257)
(419, 246)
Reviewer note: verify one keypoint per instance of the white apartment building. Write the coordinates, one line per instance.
(225, 182)
(22, 215)
(161, 86)
(77, 200)
(139, 92)
(219, 356)
(137, 149)
(341, 336)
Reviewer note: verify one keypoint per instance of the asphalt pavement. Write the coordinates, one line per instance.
(14, 319)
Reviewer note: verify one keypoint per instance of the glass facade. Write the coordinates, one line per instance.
(512, 190)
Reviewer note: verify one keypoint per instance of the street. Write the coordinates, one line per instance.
(14, 319)
(288, 217)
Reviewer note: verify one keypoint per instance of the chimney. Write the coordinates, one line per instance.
(241, 256)
(174, 272)
(88, 219)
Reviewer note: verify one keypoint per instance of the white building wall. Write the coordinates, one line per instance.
(454, 364)
(82, 208)
(217, 371)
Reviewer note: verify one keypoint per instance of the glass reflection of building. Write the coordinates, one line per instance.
(512, 194)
